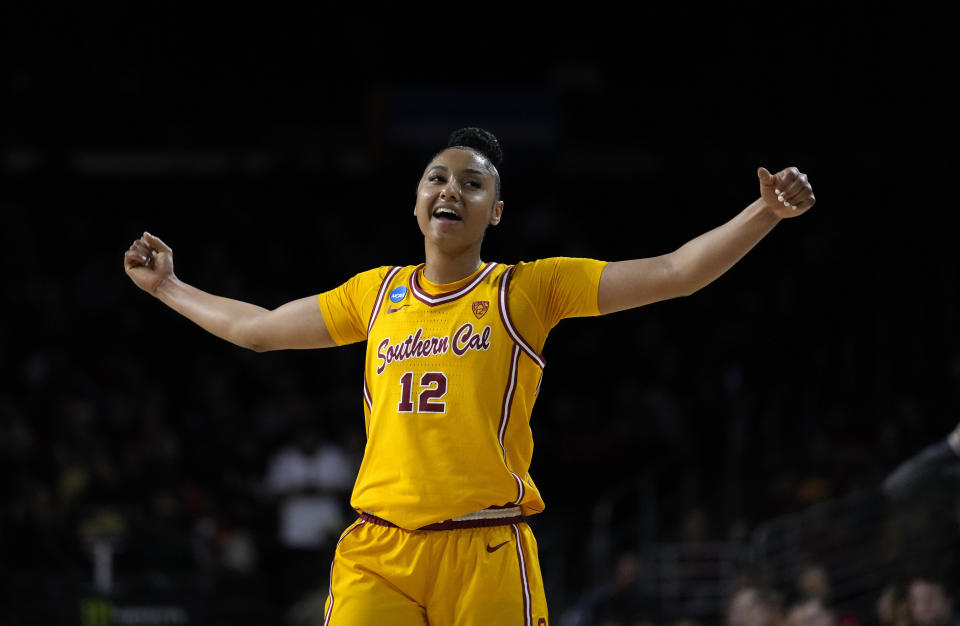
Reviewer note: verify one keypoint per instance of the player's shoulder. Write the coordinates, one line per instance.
(365, 282)
(550, 265)
(379, 273)
(552, 261)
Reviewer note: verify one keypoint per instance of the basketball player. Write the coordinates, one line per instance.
(453, 367)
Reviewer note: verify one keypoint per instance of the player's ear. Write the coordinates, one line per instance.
(497, 213)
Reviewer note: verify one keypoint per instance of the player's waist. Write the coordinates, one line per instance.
(490, 516)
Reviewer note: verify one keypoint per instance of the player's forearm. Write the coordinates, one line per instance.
(702, 260)
(224, 317)
(630, 284)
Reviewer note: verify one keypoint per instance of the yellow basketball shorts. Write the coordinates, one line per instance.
(382, 575)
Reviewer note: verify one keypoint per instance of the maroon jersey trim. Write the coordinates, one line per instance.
(449, 296)
(508, 399)
(373, 316)
(380, 294)
(508, 321)
(366, 393)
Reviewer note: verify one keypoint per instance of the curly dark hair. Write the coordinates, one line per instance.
(479, 140)
(483, 143)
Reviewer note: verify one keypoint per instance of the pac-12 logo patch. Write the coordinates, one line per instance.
(480, 308)
(398, 294)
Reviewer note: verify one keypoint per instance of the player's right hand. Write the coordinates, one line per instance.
(787, 193)
(148, 262)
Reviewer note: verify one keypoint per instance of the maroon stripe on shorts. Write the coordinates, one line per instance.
(524, 580)
(326, 617)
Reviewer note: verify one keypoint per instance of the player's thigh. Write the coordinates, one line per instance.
(499, 581)
(359, 594)
(370, 602)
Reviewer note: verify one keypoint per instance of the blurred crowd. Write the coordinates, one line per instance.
(146, 462)
(921, 595)
(149, 467)
(121, 500)
(921, 598)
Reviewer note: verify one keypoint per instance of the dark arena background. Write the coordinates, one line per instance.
(686, 450)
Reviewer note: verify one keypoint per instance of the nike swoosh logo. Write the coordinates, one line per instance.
(496, 547)
(390, 309)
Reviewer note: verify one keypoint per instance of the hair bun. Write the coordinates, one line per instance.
(483, 141)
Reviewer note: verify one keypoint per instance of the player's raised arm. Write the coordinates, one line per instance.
(296, 325)
(629, 284)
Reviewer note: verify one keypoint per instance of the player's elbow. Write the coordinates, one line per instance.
(685, 275)
(684, 282)
(258, 344)
(678, 280)
(682, 290)
(250, 335)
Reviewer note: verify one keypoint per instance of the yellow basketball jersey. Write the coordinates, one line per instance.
(449, 387)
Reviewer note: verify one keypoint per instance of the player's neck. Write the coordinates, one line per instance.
(441, 268)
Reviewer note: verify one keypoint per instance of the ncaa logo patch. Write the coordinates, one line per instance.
(398, 294)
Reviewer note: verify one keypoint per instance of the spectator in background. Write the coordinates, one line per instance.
(224, 547)
(809, 612)
(937, 461)
(619, 602)
(308, 482)
(753, 605)
(924, 491)
(929, 603)
(813, 583)
(812, 600)
(891, 606)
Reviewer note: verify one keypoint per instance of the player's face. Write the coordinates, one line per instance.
(457, 200)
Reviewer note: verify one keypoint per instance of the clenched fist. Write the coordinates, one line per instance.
(148, 262)
(787, 193)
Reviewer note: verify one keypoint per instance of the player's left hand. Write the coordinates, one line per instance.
(787, 193)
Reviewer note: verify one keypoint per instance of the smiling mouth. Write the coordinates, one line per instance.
(447, 214)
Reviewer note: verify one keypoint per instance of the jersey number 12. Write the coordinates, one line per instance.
(433, 386)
